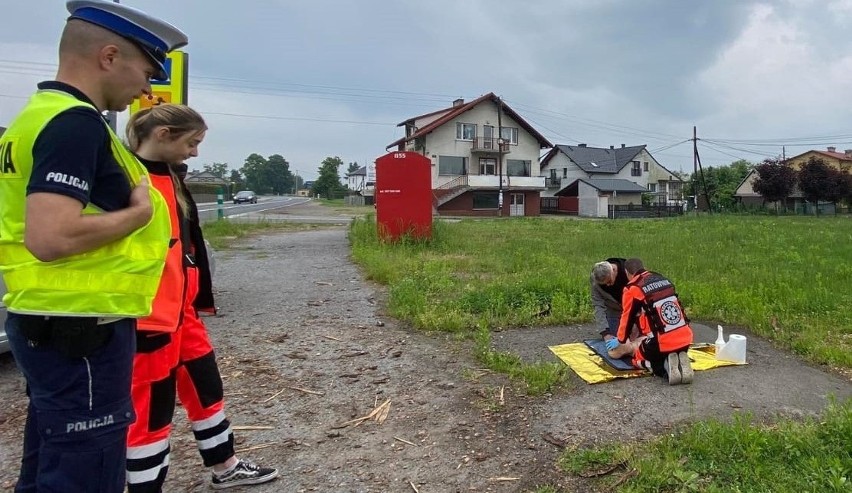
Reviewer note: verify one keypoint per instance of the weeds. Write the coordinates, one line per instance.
(713, 456)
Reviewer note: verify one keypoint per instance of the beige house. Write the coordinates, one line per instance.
(838, 160)
(481, 151)
(746, 195)
(565, 163)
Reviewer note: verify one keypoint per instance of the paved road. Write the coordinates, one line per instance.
(209, 211)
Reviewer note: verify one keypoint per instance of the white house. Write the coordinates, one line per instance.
(481, 152)
(357, 180)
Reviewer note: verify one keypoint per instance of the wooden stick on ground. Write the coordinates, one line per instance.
(300, 389)
(404, 441)
(275, 395)
(413, 487)
(333, 338)
(383, 408)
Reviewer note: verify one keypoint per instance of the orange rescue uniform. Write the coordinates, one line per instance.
(650, 300)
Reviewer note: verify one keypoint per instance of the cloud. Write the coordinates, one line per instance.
(777, 79)
(314, 79)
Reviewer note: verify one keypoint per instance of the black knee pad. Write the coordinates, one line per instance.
(204, 373)
(162, 408)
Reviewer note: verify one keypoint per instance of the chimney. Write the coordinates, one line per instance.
(458, 102)
(622, 146)
(581, 145)
(831, 148)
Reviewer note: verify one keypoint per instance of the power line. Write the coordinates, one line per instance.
(405, 98)
(275, 117)
(664, 148)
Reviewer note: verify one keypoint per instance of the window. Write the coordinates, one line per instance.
(452, 165)
(637, 169)
(485, 200)
(487, 166)
(509, 135)
(465, 131)
(517, 167)
(652, 187)
(564, 172)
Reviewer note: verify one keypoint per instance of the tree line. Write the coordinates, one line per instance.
(775, 182)
(273, 176)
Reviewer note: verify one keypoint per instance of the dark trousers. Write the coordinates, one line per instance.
(76, 432)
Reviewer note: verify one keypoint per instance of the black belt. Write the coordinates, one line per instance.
(75, 337)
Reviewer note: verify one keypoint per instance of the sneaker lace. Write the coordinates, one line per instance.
(249, 465)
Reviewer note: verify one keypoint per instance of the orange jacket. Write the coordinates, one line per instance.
(167, 313)
(650, 300)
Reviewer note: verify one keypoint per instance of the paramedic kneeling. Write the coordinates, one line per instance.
(650, 300)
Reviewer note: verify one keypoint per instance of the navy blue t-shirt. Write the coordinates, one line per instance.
(72, 157)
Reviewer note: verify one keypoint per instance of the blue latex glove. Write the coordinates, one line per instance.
(611, 344)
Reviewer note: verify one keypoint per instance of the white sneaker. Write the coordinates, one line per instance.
(244, 473)
(673, 369)
(685, 366)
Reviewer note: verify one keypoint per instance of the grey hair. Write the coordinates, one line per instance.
(602, 272)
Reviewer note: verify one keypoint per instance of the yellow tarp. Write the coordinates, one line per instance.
(593, 369)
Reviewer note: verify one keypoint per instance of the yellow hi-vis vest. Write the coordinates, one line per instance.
(116, 280)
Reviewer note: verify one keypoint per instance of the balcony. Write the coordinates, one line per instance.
(489, 145)
(553, 182)
(517, 182)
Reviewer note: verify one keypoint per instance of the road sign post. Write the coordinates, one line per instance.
(220, 204)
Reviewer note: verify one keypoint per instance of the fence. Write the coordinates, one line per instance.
(639, 211)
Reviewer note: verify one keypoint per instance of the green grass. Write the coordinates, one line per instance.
(538, 378)
(339, 207)
(738, 270)
(223, 233)
(331, 202)
(742, 456)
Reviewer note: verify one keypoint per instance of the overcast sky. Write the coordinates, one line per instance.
(318, 78)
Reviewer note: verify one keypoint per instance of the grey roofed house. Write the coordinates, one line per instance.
(600, 160)
(602, 185)
(360, 171)
(204, 177)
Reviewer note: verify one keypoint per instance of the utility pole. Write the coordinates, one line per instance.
(500, 156)
(112, 116)
(699, 170)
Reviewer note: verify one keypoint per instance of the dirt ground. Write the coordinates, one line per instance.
(305, 351)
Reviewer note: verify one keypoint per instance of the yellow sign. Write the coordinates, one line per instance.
(172, 90)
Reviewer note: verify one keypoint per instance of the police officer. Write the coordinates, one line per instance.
(650, 300)
(83, 241)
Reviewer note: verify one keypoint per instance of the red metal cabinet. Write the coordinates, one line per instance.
(403, 195)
